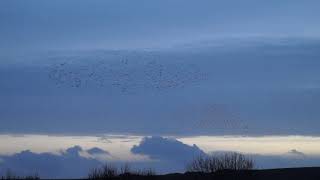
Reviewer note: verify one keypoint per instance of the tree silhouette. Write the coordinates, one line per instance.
(227, 161)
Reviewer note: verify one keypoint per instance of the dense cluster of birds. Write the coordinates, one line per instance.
(125, 75)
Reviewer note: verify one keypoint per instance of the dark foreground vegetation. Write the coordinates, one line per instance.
(11, 175)
(230, 166)
(272, 174)
(203, 164)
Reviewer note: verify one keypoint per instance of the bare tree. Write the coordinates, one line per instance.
(211, 164)
(236, 161)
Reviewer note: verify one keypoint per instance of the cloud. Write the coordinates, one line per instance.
(73, 151)
(277, 161)
(166, 155)
(96, 150)
(169, 154)
(295, 152)
(166, 149)
(69, 164)
(290, 159)
(172, 155)
(98, 154)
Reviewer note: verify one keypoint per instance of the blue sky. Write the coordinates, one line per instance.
(184, 69)
(125, 24)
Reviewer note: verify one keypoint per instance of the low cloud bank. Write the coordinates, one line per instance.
(164, 155)
(168, 155)
(159, 148)
(68, 164)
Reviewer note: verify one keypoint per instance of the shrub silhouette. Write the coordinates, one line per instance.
(109, 171)
(227, 161)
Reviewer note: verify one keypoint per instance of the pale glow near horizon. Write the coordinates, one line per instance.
(265, 145)
(119, 146)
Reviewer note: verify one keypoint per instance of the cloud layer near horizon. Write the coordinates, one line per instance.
(68, 164)
(164, 155)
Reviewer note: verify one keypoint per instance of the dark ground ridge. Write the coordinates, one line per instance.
(306, 173)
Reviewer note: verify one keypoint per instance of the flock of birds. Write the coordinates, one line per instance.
(142, 74)
(125, 75)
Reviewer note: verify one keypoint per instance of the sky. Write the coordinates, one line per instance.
(119, 81)
(123, 24)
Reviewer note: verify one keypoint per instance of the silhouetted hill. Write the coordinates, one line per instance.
(270, 174)
(308, 173)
